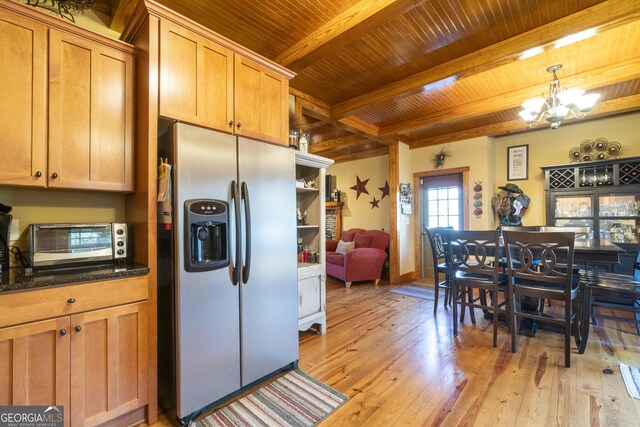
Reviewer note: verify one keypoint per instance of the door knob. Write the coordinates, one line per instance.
(238, 125)
(54, 175)
(38, 174)
(78, 328)
(63, 332)
(230, 123)
(71, 300)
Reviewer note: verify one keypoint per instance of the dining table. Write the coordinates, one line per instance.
(597, 255)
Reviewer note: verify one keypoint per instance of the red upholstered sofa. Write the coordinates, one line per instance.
(362, 263)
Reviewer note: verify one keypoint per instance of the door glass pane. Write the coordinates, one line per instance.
(573, 206)
(620, 205)
(453, 207)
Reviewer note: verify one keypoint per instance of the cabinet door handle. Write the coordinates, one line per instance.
(63, 332)
(238, 125)
(230, 123)
(78, 328)
(71, 300)
(38, 174)
(54, 175)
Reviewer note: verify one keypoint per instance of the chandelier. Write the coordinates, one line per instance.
(556, 103)
(63, 7)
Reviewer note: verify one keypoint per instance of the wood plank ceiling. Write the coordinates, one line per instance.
(372, 72)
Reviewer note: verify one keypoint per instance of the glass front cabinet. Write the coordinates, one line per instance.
(603, 196)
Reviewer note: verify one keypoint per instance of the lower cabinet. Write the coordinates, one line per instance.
(94, 363)
(312, 299)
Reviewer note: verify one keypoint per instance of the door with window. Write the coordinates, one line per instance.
(441, 197)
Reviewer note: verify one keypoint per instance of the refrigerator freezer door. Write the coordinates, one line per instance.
(269, 316)
(207, 303)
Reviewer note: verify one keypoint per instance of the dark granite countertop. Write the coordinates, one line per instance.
(16, 280)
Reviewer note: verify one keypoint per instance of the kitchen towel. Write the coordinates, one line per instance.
(631, 377)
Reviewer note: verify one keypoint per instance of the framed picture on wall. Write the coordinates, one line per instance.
(518, 163)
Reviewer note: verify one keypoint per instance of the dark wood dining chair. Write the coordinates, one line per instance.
(474, 256)
(438, 244)
(534, 272)
(618, 292)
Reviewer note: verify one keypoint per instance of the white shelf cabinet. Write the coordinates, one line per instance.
(312, 296)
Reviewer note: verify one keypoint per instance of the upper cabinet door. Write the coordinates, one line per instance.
(90, 115)
(196, 79)
(22, 101)
(261, 102)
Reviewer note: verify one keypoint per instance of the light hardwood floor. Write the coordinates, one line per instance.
(401, 366)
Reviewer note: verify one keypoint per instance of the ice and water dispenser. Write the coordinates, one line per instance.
(206, 234)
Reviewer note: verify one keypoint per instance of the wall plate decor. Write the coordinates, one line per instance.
(597, 149)
(477, 197)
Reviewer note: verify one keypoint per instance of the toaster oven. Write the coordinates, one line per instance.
(59, 244)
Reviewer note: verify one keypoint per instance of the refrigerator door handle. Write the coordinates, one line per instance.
(247, 216)
(235, 198)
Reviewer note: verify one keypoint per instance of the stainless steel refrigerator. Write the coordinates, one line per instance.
(227, 273)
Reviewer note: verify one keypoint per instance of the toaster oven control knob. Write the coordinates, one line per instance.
(120, 251)
(119, 231)
(120, 243)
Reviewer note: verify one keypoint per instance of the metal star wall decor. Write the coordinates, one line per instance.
(385, 190)
(360, 187)
(374, 203)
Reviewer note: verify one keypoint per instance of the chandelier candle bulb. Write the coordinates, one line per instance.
(557, 103)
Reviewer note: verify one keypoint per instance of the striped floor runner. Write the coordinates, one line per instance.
(295, 399)
(415, 291)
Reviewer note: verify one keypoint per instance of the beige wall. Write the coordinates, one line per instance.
(478, 155)
(31, 206)
(547, 147)
(405, 222)
(359, 213)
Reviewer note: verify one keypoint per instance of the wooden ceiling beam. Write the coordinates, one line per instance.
(320, 110)
(588, 80)
(350, 25)
(601, 109)
(361, 155)
(332, 144)
(603, 16)
(123, 11)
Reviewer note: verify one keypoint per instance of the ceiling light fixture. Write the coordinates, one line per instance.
(556, 103)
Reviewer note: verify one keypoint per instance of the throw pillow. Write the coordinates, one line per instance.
(344, 247)
(362, 241)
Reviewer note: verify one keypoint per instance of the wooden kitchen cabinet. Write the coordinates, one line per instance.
(23, 100)
(90, 115)
(108, 363)
(196, 78)
(92, 360)
(261, 102)
(205, 83)
(74, 130)
(34, 364)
